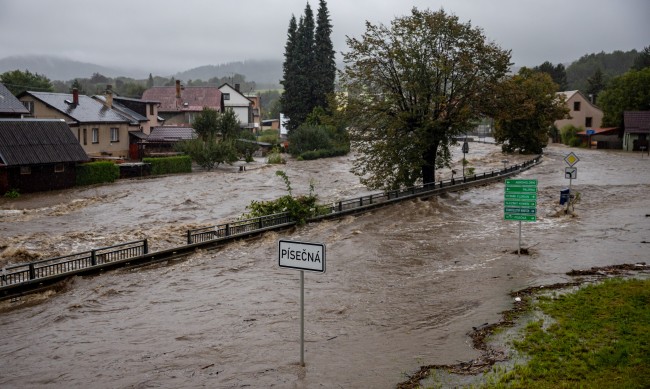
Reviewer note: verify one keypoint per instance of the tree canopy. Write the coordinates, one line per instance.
(629, 92)
(557, 73)
(412, 86)
(528, 106)
(309, 69)
(18, 81)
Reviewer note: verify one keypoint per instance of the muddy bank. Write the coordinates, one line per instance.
(491, 353)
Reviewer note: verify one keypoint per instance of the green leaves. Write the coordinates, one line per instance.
(412, 86)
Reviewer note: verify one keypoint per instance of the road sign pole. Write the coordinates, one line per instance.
(568, 202)
(302, 318)
(519, 250)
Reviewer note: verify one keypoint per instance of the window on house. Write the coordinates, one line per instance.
(95, 135)
(115, 134)
(25, 170)
(576, 106)
(85, 136)
(226, 96)
(588, 122)
(59, 168)
(30, 106)
(151, 112)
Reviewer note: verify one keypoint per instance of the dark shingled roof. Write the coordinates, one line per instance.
(171, 133)
(9, 103)
(35, 141)
(88, 110)
(637, 121)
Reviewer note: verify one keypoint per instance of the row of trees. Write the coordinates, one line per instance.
(309, 69)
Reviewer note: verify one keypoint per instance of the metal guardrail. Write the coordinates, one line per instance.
(71, 263)
(15, 276)
(238, 227)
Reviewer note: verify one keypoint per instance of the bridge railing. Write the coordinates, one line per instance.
(71, 263)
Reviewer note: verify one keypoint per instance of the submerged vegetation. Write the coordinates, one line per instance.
(300, 208)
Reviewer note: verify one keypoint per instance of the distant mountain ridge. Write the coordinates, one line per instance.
(59, 68)
(263, 72)
(267, 72)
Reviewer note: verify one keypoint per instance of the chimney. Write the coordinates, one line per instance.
(237, 87)
(75, 96)
(178, 89)
(109, 96)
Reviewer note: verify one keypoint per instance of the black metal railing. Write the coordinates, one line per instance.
(97, 258)
(71, 263)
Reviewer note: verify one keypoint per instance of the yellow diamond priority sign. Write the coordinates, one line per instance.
(571, 159)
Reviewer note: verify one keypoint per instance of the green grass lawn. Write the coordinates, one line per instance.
(598, 337)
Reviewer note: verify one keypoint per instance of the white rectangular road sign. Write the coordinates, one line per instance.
(570, 172)
(301, 255)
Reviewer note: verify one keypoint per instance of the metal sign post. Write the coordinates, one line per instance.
(571, 159)
(302, 256)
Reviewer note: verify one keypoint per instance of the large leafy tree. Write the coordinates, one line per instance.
(413, 86)
(557, 73)
(629, 92)
(18, 81)
(528, 106)
(217, 139)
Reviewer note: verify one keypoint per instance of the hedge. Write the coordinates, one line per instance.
(170, 165)
(325, 153)
(97, 172)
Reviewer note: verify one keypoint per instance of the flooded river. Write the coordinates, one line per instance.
(403, 286)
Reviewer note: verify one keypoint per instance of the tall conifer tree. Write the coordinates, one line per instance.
(325, 64)
(309, 67)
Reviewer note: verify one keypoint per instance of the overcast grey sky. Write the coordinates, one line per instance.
(165, 36)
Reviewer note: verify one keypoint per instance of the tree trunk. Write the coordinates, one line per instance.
(429, 167)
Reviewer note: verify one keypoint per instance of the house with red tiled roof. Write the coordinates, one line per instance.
(180, 105)
(582, 112)
(637, 130)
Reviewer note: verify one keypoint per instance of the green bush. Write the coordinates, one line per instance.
(325, 153)
(568, 135)
(170, 165)
(97, 172)
(12, 194)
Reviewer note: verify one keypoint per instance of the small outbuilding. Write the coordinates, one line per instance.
(38, 155)
(637, 130)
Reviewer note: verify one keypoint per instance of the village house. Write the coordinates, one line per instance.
(102, 131)
(179, 105)
(582, 112)
(240, 104)
(637, 130)
(256, 111)
(38, 155)
(10, 106)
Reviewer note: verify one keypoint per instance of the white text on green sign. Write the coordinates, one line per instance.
(521, 189)
(519, 203)
(521, 182)
(521, 196)
(523, 218)
(524, 211)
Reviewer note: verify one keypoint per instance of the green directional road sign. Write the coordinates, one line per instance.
(522, 218)
(520, 203)
(521, 196)
(520, 200)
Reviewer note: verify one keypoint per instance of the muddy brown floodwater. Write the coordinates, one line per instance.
(404, 284)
